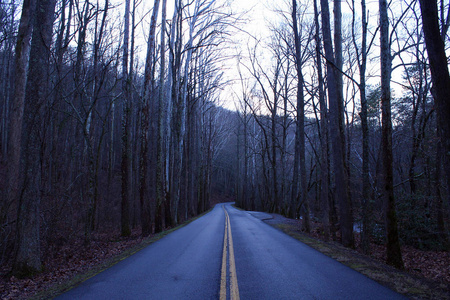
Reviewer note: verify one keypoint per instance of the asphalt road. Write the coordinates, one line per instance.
(229, 254)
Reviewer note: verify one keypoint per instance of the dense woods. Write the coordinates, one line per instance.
(113, 118)
(344, 127)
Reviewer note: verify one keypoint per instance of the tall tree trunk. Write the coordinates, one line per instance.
(340, 172)
(126, 129)
(245, 188)
(439, 75)
(362, 64)
(171, 119)
(239, 193)
(285, 184)
(160, 172)
(367, 207)
(10, 23)
(345, 203)
(22, 54)
(92, 149)
(180, 121)
(145, 122)
(273, 146)
(324, 165)
(171, 94)
(437, 191)
(296, 165)
(28, 256)
(394, 255)
(300, 128)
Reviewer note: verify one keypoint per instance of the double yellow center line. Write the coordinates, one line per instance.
(228, 247)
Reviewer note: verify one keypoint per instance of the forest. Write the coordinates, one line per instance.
(127, 116)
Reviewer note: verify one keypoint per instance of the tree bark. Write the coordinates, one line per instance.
(144, 132)
(126, 129)
(160, 172)
(22, 54)
(439, 76)
(362, 64)
(340, 172)
(367, 207)
(300, 128)
(394, 255)
(28, 256)
(324, 154)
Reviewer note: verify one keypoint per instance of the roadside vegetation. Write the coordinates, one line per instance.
(72, 263)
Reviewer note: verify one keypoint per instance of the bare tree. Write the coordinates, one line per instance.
(145, 122)
(161, 191)
(439, 74)
(361, 53)
(324, 155)
(340, 171)
(441, 84)
(28, 256)
(22, 53)
(394, 256)
(126, 128)
(300, 131)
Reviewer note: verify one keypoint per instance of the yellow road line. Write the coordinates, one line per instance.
(234, 288)
(223, 279)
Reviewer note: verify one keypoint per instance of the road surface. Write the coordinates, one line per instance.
(229, 254)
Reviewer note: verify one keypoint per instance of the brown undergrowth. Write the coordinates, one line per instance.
(68, 264)
(64, 264)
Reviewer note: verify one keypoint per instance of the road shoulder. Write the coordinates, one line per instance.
(66, 285)
(402, 282)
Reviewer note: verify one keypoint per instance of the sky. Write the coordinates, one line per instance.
(261, 15)
(256, 23)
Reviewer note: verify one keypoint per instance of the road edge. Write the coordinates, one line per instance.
(401, 282)
(67, 285)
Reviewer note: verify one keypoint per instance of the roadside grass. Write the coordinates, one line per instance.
(404, 283)
(73, 282)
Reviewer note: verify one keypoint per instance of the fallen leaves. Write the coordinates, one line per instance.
(433, 265)
(62, 263)
(430, 264)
